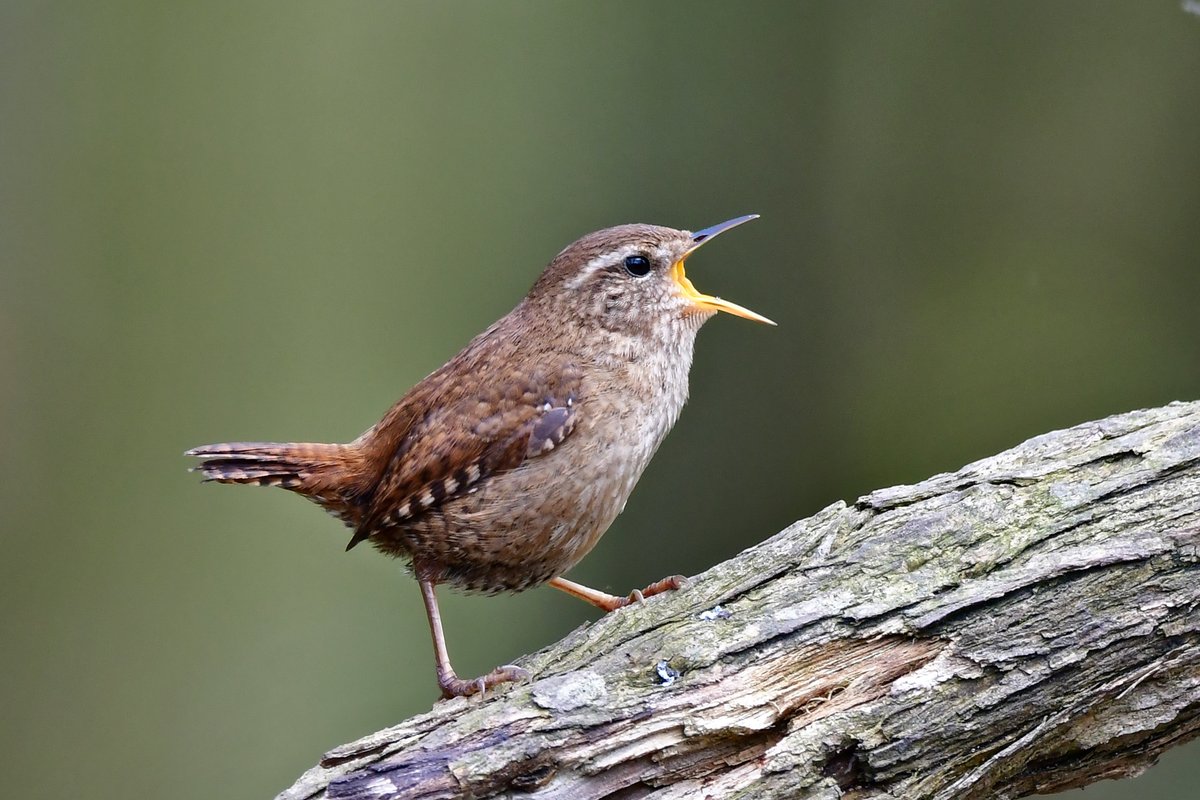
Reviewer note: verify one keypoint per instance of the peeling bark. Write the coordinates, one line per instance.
(1025, 625)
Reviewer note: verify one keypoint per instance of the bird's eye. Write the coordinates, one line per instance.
(637, 266)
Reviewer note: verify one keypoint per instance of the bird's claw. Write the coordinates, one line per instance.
(668, 584)
(453, 686)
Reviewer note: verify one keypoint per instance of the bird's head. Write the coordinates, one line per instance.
(631, 279)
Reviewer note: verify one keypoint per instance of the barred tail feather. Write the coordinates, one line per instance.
(314, 470)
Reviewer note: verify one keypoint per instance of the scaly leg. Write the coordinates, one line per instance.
(451, 684)
(610, 602)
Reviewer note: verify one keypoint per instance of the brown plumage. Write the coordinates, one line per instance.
(501, 470)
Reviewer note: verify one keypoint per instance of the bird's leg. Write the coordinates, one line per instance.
(451, 684)
(610, 602)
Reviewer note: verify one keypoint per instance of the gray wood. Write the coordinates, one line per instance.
(1024, 625)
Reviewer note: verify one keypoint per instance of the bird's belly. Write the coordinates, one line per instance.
(529, 525)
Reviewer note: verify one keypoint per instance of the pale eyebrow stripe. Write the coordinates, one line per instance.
(600, 262)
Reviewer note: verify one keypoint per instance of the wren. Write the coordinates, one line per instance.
(502, 469)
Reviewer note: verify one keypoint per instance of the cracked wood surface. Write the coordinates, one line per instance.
(1025, 625)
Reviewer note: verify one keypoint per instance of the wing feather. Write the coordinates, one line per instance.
(467, 435)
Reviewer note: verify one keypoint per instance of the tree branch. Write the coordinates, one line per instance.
(1025, 625)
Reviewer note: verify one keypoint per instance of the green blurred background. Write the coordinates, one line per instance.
(241, 221)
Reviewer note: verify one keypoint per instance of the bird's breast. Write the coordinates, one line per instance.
(628, 408)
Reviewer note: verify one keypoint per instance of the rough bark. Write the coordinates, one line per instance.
(1025, 625)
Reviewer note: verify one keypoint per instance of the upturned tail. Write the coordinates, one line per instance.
(330, 474)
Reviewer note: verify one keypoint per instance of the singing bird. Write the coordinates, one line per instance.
(502, 469)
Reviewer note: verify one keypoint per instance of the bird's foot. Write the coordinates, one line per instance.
(454, 686)
(610, 602)
(668, 584)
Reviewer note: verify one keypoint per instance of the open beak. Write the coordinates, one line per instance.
(706, 301)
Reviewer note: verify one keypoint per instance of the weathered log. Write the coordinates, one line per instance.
(1025, 625)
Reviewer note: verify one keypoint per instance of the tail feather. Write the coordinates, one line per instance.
(326, 473)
